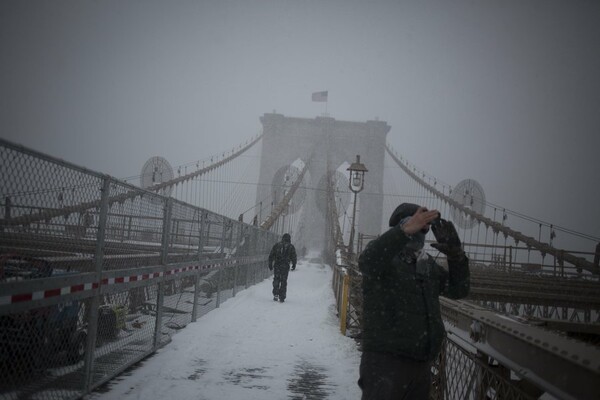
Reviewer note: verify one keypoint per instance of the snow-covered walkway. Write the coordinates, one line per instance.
(254, 348)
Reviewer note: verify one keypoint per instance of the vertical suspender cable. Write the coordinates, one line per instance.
(478, 231)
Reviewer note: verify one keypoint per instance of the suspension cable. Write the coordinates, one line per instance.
(498, 227)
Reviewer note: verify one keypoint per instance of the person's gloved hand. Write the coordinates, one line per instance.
(293, 267)
(270, 268)
(447, 238)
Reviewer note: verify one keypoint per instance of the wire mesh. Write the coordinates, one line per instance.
(207, 296)
(178, 303)
(96, 274)
(41, 351)
(126, 326)
(184, 234)
(48, 209)
(460, 374)
(134, 228)
(226, 283)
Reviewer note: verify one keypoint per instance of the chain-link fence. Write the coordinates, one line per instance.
(462, 374)
(96, 274)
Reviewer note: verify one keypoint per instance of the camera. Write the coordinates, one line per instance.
(437, 221)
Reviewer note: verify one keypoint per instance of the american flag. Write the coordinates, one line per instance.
(319, 96)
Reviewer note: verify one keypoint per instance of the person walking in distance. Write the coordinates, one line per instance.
(282, 254)
(402, 328)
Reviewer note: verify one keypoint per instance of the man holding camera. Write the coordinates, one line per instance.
(402, 328)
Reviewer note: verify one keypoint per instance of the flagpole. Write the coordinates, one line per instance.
(322, 97)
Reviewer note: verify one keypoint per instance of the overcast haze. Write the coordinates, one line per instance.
(503, 92)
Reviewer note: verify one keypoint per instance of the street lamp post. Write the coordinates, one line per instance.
(284, 212)
(356, 183)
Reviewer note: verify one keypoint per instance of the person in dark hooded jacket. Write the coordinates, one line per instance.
(282, 254)
(402, 328)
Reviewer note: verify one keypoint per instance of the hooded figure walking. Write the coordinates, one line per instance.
(282, 254)
(402, 328)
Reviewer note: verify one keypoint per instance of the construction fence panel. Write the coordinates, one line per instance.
(96, 274)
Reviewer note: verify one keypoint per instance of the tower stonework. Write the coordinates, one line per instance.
(287, 139)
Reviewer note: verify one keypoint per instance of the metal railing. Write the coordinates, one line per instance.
(96, 274)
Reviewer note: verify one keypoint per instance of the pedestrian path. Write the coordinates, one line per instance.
(254, 348)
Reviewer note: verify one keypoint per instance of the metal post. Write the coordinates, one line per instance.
(197, 276)
(223, 233)
(351, 245)
(235, 278)
(201, 234)
(250, 265)
(164, 261)
(208, 225)
(196, 296)
(240, 237)
(344, 304)
(237, 254)
(222, 267)
(231, 235)
(166, 230)
(92, 322)
(219, 280)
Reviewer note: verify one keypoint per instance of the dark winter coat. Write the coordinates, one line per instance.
(401, 310)
(282, 254)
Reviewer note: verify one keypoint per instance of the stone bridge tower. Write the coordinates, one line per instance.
(287, 140)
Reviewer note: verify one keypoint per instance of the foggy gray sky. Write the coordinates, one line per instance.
(503, 92)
